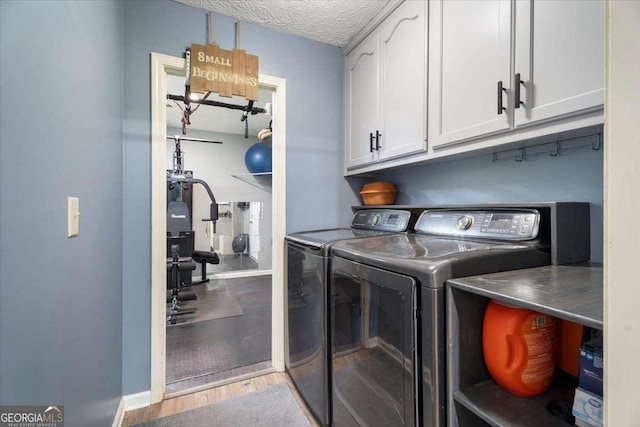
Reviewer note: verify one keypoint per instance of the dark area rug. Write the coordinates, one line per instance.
(197, 350)
(214, 301)
(273, 406)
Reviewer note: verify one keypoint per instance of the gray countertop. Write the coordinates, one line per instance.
(568, 292)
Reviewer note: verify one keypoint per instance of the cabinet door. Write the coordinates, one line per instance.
(362, 101)
(560, 58)
(469, 53)
(403, 80)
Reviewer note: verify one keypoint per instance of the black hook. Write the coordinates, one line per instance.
(522, 155)
(248, 109)
(555, 151)
(596, 145)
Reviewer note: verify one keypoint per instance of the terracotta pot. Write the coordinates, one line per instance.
(378, 193)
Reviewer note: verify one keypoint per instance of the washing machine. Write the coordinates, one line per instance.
(307, 314)
(388, 301)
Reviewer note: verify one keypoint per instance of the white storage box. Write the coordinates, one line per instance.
(588, 408)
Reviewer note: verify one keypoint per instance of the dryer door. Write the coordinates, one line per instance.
(373, 326)
(306, 352)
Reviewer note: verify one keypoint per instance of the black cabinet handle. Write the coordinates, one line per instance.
(370, 142)
(378, 135)
(500, 90)
(518, 103)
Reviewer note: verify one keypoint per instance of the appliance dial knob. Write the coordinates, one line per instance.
(375, 220)
(464, 222)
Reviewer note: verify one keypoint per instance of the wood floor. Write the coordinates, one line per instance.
(207, 397)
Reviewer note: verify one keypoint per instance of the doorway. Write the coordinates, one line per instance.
(219, 310)
(162, 68)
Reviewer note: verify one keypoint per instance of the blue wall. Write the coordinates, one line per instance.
(314, 142)
(572, 176)
(61, 135)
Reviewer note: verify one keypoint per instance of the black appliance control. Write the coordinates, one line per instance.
(503, 224)
(382, 219)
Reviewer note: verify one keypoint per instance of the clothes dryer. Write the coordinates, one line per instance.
(306, 353)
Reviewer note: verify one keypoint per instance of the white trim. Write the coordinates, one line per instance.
(119, 417)
(137, 400)
(279, 228)
(621, 205)
(160, 66)
(240, 273)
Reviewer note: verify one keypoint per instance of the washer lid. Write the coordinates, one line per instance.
(407, 246)
(320, 238)
(433, 260)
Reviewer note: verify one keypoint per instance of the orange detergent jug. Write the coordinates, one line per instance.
(569, 342)
(519, 346)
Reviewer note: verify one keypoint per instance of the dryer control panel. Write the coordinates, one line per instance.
(503, 224)
(382, 219)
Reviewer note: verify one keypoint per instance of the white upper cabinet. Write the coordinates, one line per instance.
(559, 58)
(468, 75)
(469, 61)
(493, 68)
(362, 101)
(403, 81)
(385, 89)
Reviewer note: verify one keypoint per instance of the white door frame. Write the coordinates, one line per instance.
(161, 65)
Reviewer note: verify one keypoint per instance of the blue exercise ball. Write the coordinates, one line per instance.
(258, 158)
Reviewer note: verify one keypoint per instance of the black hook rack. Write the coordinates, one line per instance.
(554, 149)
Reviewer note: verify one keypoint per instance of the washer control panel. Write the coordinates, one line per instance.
(382, 219)
(503, 224)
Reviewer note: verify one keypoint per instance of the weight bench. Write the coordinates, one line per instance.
(204, 258)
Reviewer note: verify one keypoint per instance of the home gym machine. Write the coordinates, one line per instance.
(181, 256)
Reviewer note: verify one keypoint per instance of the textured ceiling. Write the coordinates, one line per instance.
(334, 22)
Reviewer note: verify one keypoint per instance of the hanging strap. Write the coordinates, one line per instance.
(237, 34)
(210, 27)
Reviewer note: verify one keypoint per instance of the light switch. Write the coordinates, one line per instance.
(73, 216)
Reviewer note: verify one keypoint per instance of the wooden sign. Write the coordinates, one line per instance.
(226, 72)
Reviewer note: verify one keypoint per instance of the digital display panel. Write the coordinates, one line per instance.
(392, 219)
(500, 221)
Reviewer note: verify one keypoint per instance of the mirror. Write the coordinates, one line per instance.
(238, 238)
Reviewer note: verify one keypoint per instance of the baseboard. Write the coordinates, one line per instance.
(137, 400)
(117, 420)
(241, 273)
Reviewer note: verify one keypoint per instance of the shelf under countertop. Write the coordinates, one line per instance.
(568, 292)
(498, 407)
